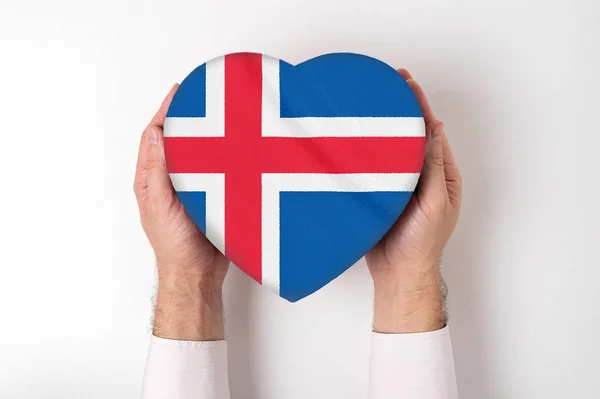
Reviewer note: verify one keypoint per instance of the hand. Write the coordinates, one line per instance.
(190, 269)
(405, 264)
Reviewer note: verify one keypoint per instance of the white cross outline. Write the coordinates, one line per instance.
(213, 184)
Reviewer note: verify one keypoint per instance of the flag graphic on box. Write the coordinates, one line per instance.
(294, 172)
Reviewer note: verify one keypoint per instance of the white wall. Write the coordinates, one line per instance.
(516, 83)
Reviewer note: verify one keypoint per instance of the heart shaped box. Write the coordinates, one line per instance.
(294, 172)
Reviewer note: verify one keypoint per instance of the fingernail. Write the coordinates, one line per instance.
(152, 136)
(438, 131)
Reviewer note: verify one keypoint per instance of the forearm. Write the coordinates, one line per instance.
(411, 352)
(187, 358)
(188, 308)
(410, 303)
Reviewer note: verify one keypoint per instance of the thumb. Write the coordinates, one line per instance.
(159, 183)
(433, 167)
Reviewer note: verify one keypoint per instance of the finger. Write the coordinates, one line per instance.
(161, 114)
(451, 173)
(157, 121)
(428, 115)
(432, 176)
(405, 74)
(450, 167)
(159, 183)
(140, 179)
(448, 155)
(142, 151)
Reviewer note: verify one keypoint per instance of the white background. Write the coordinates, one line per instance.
(515, 81)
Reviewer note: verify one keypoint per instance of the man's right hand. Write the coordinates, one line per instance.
(191, 270)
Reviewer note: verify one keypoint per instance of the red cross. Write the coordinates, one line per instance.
(243, 155)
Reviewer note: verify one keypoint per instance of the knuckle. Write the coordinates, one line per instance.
(437, 160)
(140, 169)
(454, 192)
(435, 206)
(137, 184)
(456, 177)
(163, 204)
(435, 157)
(151, 164)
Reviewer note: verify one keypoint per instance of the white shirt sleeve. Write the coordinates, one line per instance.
(403, 366)
(186, 370)
(412, 366)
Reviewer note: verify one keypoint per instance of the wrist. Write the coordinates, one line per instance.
(188, 308)
(410, 303)
(206, 270)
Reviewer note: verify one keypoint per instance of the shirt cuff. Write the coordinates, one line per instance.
(186, 370)
(412, 366)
